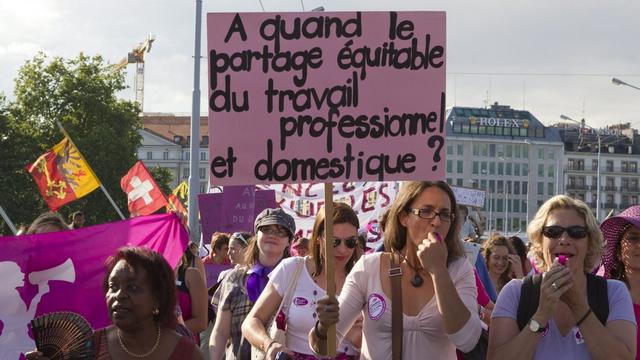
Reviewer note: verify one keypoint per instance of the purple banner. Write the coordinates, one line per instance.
(233, 210)
(63, 271)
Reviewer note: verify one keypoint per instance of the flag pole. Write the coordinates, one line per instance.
(8, 221)
(113, 203)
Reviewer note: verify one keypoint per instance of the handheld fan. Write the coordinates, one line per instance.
(63, 336)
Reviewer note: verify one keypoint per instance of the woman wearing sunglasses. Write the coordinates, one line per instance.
(243, 285)
(622, 253)
(439, 305)
(310, 286)
(567, 243)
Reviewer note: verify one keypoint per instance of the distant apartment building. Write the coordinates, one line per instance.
(508, 153)
(619, 157)
(166, 143)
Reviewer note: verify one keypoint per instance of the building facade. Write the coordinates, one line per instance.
(619, 157)
(166, 143)
(510, 155)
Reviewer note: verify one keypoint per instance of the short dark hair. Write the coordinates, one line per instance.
(159, 274)
(48, 218)
(218, 240)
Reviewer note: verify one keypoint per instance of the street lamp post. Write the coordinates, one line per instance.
(616, 81)
(564, 117)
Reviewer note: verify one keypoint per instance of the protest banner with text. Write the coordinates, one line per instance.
(325, 97)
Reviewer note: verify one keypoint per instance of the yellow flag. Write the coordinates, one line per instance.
(74, 168)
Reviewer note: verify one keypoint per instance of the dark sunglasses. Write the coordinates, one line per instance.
(351, 242)
(574, 232)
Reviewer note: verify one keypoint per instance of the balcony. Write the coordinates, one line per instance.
(574, 167)
(625, 205)
(592, 205)
(580, 187)
(630, 189)
(610, 188)
(610, 205)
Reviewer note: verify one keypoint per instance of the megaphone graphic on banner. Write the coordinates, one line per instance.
(63, 272)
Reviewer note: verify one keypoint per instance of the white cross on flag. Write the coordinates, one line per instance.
(143, 194)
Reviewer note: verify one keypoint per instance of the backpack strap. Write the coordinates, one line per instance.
(598, 297)
(529, 299)
(395, 275)
(180, 280)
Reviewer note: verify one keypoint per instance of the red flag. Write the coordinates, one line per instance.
(62, 175)
(143, 194)
(174, 203)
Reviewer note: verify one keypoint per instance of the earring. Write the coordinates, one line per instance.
(155, 312)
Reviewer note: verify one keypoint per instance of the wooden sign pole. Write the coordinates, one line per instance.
(329, 260)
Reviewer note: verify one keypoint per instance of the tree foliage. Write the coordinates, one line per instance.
(81, 94)
(163, 178)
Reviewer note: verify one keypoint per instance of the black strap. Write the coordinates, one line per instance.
(181, 283)
(598, 297)
(530, 297)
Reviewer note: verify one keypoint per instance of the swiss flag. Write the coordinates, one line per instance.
(143, 194)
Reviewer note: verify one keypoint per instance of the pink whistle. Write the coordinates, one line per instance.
(562, 259)
(438, 237)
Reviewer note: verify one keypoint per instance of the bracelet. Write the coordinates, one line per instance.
(268, 346)
(582, 319)
(317, 332)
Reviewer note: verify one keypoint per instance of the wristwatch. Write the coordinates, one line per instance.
(535, 326)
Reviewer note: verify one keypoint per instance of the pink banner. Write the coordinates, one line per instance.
(63, 271)
(322, 96)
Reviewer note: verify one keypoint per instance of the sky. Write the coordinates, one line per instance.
(548, 57)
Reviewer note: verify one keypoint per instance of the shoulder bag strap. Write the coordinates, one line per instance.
(597, 294)
(286, 299)
(395, 275)
(529, 299)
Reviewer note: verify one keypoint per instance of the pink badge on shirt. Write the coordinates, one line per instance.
(300, 301)
(376, 306)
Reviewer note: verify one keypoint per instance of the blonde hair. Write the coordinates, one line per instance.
(594, 235)
(487, 250)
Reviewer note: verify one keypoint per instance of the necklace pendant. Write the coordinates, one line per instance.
(417, 280)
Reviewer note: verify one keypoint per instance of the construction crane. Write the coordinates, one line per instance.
(136, 56)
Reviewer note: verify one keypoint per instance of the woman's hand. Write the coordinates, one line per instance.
(432, 253)
(35, 355)
(328, 313)
(516, 266)
(555, 282)
(276, 348)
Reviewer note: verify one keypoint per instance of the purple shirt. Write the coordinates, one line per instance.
(552, 345)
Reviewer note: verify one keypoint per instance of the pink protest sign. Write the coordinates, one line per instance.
(315, 97)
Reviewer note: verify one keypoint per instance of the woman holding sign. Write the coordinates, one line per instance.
(435, 283)
(298, 315)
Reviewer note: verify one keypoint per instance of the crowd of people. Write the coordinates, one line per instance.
(432, 291)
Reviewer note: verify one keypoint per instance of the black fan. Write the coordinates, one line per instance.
(63, 336)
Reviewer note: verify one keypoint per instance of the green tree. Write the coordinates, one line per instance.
(163, 178)
(81, 94)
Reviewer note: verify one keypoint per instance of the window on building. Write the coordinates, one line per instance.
(551, 171)
(460, 149)
(499, 225)
(458, 182)
(594, 165)
(500, 188)
(500, 168)
(609, 164)
(449, 181)
(483, 184)
(484, 149)
(541, 154)
(149, 155)
(492, 185)
(449, 149)
(187, 156)
(483, 168)
(500, 205)
(205, 140)
(540, 188)
(516, 187)
(550, 190)
(509, 150)
(525, 152)
(540, 170)
(476, 150)
(516, 169)
(185, 172)
(203, 155)
(525, 169)
(492, 168)
(165, 155)
(500, 149)
(492, 150)
(203, 173)
(516, 206)
(449, 166)
(475, 168)
(524, 187)
(509, 167)
(459, 167)
(203, 188)
(517, 151)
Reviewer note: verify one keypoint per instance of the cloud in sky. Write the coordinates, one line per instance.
(498, 41)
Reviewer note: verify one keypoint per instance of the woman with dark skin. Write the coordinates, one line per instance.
(141, 299)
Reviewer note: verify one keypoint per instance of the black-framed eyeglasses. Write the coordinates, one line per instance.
(239, 236)
(574, 232)
(350, 242)
(430, 214)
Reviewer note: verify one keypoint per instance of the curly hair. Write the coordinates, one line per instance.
(159, 274)
(594, 237)
(487, 251)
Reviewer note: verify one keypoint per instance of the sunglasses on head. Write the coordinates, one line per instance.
(351, 242)
(574, 232)
(239, 236)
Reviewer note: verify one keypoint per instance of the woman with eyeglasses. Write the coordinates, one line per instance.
(500, 262)
(576, 315)
(439, 308)
(243, 285)
(310, 286)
